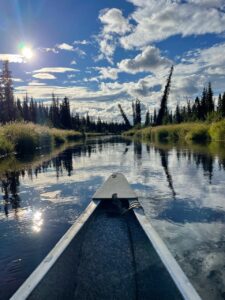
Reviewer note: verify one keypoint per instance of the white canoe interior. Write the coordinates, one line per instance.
(115, 186)
(109, 256)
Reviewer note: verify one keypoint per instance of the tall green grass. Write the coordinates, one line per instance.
(26, 137)
(217, 131)
(198, 132)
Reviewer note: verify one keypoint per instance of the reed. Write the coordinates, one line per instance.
(25, 137)
(198, 132)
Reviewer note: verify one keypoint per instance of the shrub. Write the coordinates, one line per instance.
(199, 133)
(26, 137)
(217, 131)
(6, 146)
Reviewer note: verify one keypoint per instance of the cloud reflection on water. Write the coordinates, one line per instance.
(181, 189)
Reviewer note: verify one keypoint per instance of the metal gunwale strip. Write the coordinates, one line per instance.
(37, 275)
(180, 279)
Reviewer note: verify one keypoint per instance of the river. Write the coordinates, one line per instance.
(180, 186)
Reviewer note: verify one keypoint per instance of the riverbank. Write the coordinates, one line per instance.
(24, 137)
(199, 132)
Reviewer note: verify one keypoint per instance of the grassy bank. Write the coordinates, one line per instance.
(198, 132)
(26, 137)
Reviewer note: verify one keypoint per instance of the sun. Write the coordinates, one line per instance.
(27, 52)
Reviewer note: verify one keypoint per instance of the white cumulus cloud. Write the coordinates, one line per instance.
(114, 21)
(65, 46)
(55, 70)
(149, 60)
(44, 76)
(13, 58)
(158, 20)
(114, 25)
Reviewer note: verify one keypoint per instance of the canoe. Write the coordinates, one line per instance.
(110, 252)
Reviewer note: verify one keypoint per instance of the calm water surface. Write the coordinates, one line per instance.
(181, 188)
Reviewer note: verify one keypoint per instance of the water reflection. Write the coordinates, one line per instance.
(164, 161)
(37, 221)
(9, 185)
(181, 188)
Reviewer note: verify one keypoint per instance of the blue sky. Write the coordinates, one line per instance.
(101, 53)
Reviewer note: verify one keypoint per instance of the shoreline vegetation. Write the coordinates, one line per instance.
(197, 132)
(26, 137)
(13, 163)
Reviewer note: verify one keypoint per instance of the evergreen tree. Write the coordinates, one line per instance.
(54, 112)
(203, 107)
(177, 116)
(19, 109)
(127, 122)
(138, 112)
(99, 125)
(65, 116)
(209, 100)
(163, 106)
(8, 107)
(198, 108)
(26, 111)
(33, 110)
(154, 117)
(134, 113)
(147, 119)
(221, 105)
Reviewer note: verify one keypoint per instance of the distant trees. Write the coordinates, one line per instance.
(147, 119)
(204, 108)
(136, 108)
(57, 114)
(221, 105)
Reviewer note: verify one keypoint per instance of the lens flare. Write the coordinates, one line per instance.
(27, 52)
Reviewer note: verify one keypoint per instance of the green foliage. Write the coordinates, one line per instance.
(213, 116)
(217, 131)
(26, 137)
(131, 132)
(6, 146)
(199, 133)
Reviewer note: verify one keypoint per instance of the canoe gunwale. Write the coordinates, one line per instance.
(48, 262)
(180, 279)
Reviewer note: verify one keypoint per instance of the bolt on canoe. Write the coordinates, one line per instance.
(110, 252)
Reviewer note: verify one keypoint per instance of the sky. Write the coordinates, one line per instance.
(101, 53)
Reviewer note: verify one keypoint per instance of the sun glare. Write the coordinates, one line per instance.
(27, 52)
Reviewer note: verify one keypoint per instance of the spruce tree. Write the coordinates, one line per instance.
(127, 122)
(223, 106)
(163, 106)
(203, 105)
(209, 100)
(177, 116)
(138, 112)
(134, 113)
(147, 119)
(65, 115)
(7, 94)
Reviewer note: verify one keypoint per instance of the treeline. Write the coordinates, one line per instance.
(58, 114)
(203, 108)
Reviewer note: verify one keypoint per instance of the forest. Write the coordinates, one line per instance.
(204, 108)
(57, 115)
